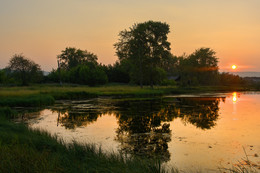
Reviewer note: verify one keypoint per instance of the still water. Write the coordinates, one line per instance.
(191, 132)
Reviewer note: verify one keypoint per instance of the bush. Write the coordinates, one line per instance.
(230, 79)
(88, 75)
(168, 82)
(2, 76)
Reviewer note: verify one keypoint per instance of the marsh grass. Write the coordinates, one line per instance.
(77, 92)
(7, 113)
(44, 95)
(27, 100)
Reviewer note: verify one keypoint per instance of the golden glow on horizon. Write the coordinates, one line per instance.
(234, 67)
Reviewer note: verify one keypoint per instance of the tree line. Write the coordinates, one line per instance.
(144, 58)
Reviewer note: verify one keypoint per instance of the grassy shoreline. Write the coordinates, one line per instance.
(43, 95)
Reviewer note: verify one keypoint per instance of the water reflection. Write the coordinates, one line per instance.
(143, 125)
(142, 128)
(78, 113)
(201, 112)
(234, 97)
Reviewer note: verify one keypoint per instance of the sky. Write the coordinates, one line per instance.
(40, 30)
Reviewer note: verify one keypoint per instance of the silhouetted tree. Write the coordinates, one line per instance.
(78, 66)
(205, 65)
(24, 70)
(118, 72)
(88, 74)
(72, 57)
(199, 68)
(144, 46)
(231, 79)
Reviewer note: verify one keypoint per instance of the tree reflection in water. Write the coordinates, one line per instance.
(141, 130)
(143, 125)
(78, 113)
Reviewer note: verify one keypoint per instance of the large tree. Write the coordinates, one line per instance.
(199, 68)
(72, 57)
(24, 70)
(205, 65)
(145, 46)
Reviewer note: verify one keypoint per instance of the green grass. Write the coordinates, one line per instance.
(43, 95)
(7, 113)
(73, 92)
(57, 91)
(27, 101)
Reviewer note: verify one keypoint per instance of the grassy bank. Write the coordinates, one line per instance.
(27, 150)
(27, 101)
(42, 95)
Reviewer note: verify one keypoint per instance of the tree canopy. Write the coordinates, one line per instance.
(24, 69)
(145, 46)
(72, 57)
(201, 67)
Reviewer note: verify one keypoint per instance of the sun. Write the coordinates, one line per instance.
(234, 67)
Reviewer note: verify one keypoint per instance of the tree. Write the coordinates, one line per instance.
(72, 57)
(229, 79)
(145, 46)
(24, 70)
(118, 72)
(205, 65)
(201, 67)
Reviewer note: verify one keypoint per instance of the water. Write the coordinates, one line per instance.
(192, 132)
(247, 74)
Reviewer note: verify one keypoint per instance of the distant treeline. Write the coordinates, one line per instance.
(144, 58)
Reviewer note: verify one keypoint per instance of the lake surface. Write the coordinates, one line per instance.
(192, 132)
(246, 74)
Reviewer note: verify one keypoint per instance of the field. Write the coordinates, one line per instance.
(42, 95)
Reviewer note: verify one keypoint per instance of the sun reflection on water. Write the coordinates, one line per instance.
(234, 97)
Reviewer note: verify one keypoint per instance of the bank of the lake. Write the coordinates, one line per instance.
(43, 95)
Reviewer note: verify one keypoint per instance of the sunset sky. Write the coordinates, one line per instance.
(41, 29)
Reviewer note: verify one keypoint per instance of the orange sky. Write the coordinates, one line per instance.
(41, 29)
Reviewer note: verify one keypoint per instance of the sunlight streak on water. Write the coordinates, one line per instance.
(234, 97)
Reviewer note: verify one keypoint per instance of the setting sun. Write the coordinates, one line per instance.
(234, 67)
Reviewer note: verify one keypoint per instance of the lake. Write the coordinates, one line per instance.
(200, 132)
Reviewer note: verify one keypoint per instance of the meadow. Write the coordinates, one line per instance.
(43, 95)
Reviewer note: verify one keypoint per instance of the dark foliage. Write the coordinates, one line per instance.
(117, 73)
(23, 70)
(144, 46)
